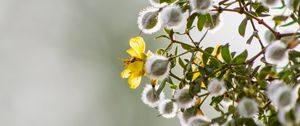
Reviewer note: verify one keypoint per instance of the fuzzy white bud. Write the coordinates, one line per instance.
(216, 23)
(149, 21)
(201, 6)
(273, 88)
(297, 113)
(277, 53)
(269, 3)
(284, 98)
(247, 107)
(185, 116)
(216, 87)
(183, 98)
(199, 121)
(157, 67)
(150, 98)
(281, 95)
(172, 17)
(167, 108)
(284, 118)
(156, 3)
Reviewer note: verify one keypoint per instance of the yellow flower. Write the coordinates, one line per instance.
(198, 60)
(216, 52)
(196, 75)
(135, 64)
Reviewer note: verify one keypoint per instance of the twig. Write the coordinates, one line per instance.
(277, 35)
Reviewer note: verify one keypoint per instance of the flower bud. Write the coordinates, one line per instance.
(297, 113)
(284, 118)
(277, 53)
(149, 21)
(247, 107)
(199, 121)
(284, 98)
(259, 123)
(150, 98)
(215, 24)
(216, 87)
(201, 6)
(185, 116)
(172, 16)
(167, 108)
(183, 98)
(269, 3)
(273, 88)
(157, 67)
(156, 3)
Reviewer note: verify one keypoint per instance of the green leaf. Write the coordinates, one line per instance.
(259, 8)
(206, 55)
(250, 39)
(245, 121)
(269, 36)
(161, 87)
(219, 120)
(160, 51)
(296, 5)
(294, 56)
(195, 89)
(231, 109)
(191, 20)
(240, 58)
(215, 62)
(264, 72)
(201, 21)
(173, 62)
(226, 53)
(279, 19)
(181, 63)
(288, 24)
(215, 102)
(162, 36)
(298, 13)
(242, 27)
(167, 1)
(168, 31)
(255, 71)
(210, 20)
(186, 46)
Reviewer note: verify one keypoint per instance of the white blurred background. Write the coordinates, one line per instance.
(61, 59)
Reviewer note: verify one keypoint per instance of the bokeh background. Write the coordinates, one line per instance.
(61, 62)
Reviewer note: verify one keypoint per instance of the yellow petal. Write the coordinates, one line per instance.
(195, 76)
(125, 73)
(133, 53)
(134, 81)
(137, 68)
(201, 60)
(138, 44)
(216, 52)
(203, 85)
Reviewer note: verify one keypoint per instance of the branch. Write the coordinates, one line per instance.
(277, 35)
